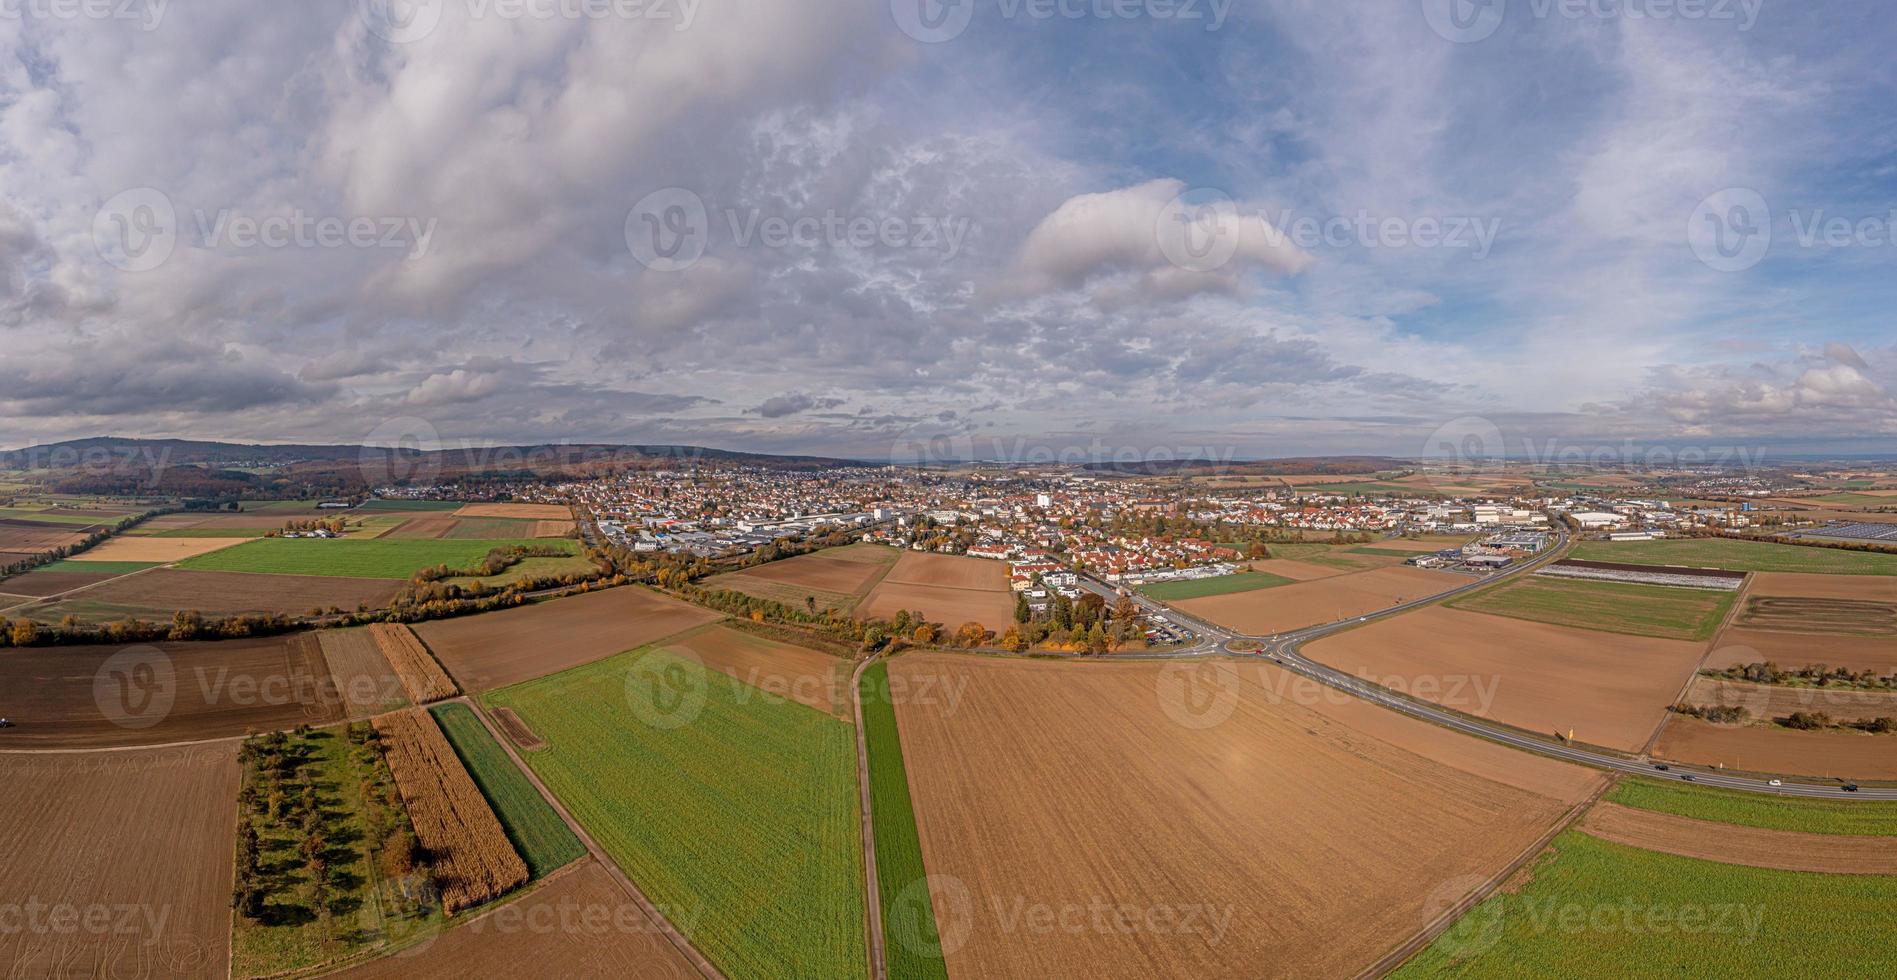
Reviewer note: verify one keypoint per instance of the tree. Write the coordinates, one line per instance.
(971, 634)
(1012, 641)
(1097, 639)
(25, 633)
(924, 635)
(1063, 615)
(1021, 611)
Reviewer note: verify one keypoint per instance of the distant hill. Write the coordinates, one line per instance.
(1294, 466)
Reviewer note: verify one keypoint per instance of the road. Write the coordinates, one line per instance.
(1283, 649)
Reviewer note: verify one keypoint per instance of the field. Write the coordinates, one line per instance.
(349, 557)
(1738, 556)
(1327, 600)
(28, 538)
(914, 945)
(364, 678)
(539, 512)
(1791, 585)
(1800, 615)
(813, 679)
(1839, 755)
(490, 528)
(838, 578)
(528, 568)
(1308, 845)
(91, 696)
(1739, 646)
(1767, 702)
(1784, 850)
(156, 594)
(496, 649)
(1221, 585)
(65, 576)
(1295, 570)
(420, 675)
(157, 550)
(1753, 922)
(948, 589)
(606, 937)
(425, 526)
(472, 861)
(717, 802)
(1614, 607)
(1812, 816)
(146, 832)
(537, 832)
(1547, 679)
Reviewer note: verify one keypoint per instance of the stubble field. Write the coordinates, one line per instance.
(1840, 755)
(948, 589)
(496, 649)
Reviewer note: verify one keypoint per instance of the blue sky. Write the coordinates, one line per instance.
(1410, 226)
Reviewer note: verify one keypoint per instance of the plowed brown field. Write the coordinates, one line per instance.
(948, 589)
(139, 843)
(1104, 820)
(800, 674)
(472, 860)
(147, 694)
(496, 649)
(430, 526)
(1802, 585)
(39, 584)
(1768, 702)
(552, 529)
(1730, 844)
(29, 539)
(949, 571)
(1843, 755)
(1291, 607)
(156, 594)
(364, 679)
(1295, 570)
(543, 512)
(579, 924)
(421, 676)
(1611, 691)
(1738, 646)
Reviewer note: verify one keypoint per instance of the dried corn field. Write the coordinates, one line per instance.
(473, 860)
(421, 676)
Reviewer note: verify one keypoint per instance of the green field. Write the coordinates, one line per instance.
(734, 811)
(204, 532)
(1812, 816)
(96, 567)
(352, 557)
(1611, 607)
(1221, 585)
(379, 504)
(538, 833)
(528, 568)
(1596, 909)
(912, 946)
(1738, 556)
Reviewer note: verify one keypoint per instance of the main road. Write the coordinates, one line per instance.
(1284, 649)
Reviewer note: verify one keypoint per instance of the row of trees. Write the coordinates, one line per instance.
(1813, 675)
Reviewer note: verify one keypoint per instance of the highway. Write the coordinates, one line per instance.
(1283, 649)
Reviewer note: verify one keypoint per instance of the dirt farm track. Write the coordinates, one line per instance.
(143, 835)
(1052, 788)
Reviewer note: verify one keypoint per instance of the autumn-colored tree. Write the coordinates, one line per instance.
(924, 635)
(1012, 640)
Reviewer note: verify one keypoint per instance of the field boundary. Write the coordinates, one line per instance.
(872, 889)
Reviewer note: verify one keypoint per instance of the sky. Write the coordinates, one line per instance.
(886, 229)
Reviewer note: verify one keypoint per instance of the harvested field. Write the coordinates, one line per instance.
(1308, 849)
(146, 835)
(613, 939)
(948, 589)
(837, 578)
(473, 862)
(348, 557)
(159, 550)
(1801, 586)
(1329, 600)
(27, 539)
(96, 696)
(1738, 647)
(420, 675)
(428, 526)
(364, 679)
(40, 583)
(553, 529)
(517, 730)
(496, 649)
(213, 521)
(1787, 614)
(1541, 678)
(1768, 702)
(158, 593)
(491, 529)
(816, 680)
(1751, 846)
(533, 512)
(1668, 612)
(1295, 570)
(1842, 755)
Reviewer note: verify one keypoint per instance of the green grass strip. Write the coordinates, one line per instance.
(912, 947)
(1199, 588)
(538, 833)
(1847, 817)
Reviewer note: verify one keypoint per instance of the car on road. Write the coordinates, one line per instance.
(1775, 782)
(1850, 787)
(1661, 766)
